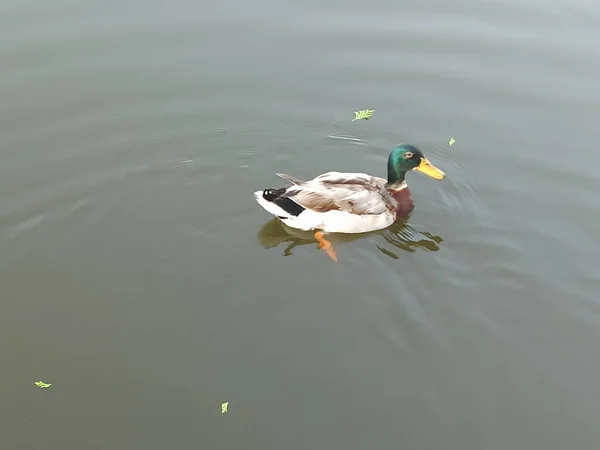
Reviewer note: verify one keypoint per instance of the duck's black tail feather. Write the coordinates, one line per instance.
(276, 196)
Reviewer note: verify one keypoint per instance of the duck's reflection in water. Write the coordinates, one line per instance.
(399, 236)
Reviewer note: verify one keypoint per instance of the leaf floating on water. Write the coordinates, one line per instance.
(224, 407)
(42, 385)
(451, 142)
(364, 114)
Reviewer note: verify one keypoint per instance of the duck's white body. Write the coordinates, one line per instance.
(337, 202)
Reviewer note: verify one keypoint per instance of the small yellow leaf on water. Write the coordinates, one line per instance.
(224, 407)
(363, 114)
(42, 385)
(451, 142)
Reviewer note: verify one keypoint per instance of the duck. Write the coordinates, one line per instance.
(348, 202)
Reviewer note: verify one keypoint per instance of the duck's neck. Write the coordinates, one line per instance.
(396, 187)
(395, 177)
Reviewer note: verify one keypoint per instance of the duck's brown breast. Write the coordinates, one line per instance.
(405, 202)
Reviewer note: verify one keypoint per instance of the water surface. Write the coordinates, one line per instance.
(140, 278)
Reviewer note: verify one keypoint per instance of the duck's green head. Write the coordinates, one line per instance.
(407, 157)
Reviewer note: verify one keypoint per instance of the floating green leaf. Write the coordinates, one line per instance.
(224, 407)
(451, 142)
(42, 385)
(364, 114)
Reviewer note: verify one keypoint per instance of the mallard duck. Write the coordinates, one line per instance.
(338, 202)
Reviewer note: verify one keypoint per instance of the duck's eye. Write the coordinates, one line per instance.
(408, 155)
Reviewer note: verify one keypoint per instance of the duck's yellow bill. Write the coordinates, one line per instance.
(429, 169)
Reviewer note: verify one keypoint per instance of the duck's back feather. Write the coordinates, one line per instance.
(356, 193)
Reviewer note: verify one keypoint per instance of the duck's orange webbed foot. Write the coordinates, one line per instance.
(325, 245)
